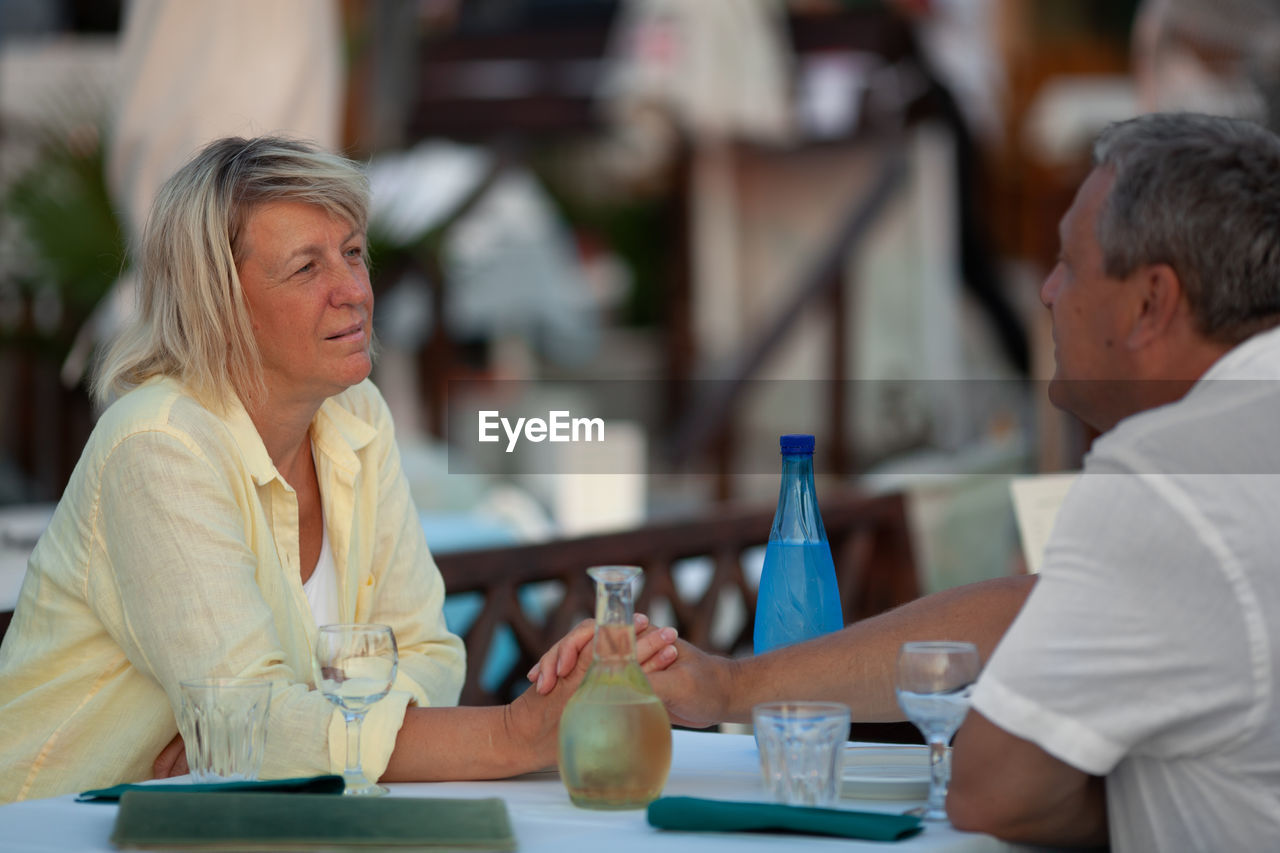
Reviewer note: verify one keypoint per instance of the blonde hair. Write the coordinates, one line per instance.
(192, 321)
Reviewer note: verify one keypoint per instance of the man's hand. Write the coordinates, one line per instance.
(655, 650)
(172, 760)
(696, 687)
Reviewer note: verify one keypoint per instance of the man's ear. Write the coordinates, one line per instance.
(1159, 298)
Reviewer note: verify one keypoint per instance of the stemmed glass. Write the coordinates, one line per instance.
(355, 667)
(934, 681)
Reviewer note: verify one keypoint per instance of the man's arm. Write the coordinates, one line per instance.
(1011, 788)
(854, 666)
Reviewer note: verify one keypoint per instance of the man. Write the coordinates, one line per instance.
(1134, 694)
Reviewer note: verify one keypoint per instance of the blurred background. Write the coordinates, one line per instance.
(718, 220)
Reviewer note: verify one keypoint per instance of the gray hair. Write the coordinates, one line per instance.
(1201, 194)
(193, 321)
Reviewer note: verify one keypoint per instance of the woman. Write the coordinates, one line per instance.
(244, 488)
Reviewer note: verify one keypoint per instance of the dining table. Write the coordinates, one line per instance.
(709, 765)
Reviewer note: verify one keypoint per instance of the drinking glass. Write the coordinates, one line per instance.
(224, 727)
(355, 667)
(801, 745)
(934, 681)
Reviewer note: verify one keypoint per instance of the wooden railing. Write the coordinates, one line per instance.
(869, 539)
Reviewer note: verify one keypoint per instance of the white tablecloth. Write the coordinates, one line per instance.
(719, 766)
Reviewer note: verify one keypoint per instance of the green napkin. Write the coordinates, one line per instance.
(300, 785)
(253, 821)
(691, 814)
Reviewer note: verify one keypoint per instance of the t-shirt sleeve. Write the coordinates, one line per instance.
(1134, 640)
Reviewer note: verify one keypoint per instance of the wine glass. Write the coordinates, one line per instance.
(355, 667)
(934, 681)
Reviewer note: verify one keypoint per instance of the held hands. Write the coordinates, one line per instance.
(655, 650)
(695, 686)
(533, 719)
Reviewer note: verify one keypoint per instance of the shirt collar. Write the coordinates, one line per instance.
(336, 432)
(1254, 357)
(340, 433)
(246, 436)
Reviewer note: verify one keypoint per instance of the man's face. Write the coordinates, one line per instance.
(1087, 307)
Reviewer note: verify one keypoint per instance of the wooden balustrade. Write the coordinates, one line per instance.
(869, 539)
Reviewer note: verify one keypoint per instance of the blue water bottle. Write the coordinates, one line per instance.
(798, 598)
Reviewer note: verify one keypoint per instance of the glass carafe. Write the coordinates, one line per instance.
(615, 736)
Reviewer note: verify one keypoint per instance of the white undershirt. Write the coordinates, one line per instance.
(322, 587)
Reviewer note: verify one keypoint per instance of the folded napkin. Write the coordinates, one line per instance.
(691, 814)
(167, 820)
(300, 785)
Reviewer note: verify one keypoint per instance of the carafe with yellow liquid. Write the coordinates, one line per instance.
(615, 736)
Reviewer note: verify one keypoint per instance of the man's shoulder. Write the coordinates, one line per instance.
(1257, 357)
(1241, 385)
(1221, 426)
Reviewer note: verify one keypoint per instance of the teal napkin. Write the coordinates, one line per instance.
(300, 785)
(691, 814)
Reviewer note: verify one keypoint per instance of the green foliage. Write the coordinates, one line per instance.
(635, 228)
(63, 209)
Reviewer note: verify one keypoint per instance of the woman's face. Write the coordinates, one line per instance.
(304, 277)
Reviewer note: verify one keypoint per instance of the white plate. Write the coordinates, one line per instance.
(886, 772)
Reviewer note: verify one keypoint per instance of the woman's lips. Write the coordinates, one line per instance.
(350, 333)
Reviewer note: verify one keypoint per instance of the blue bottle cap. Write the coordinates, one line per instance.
(796, 443)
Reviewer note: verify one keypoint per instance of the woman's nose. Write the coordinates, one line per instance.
(351, 285)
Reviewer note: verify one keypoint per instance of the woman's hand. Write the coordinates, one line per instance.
(172, 760)
(497, 742)
(532, 721)
(655, 649)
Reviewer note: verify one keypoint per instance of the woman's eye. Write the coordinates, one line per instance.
(355, 251)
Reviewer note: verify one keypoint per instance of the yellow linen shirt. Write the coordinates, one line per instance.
(173, 554)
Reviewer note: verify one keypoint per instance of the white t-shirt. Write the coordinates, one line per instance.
(1149, 650)
(322, 587)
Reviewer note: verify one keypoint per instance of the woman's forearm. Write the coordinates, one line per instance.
(439, 744)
